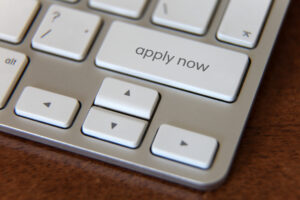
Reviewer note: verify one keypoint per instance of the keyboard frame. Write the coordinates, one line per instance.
(221, 120)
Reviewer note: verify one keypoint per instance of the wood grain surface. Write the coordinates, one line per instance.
(267, 165)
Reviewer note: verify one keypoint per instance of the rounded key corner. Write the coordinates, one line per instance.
(12, 41)
(223, 40)
(86, 134)
(176, 162)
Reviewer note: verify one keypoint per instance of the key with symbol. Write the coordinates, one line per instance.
(243, 21)
(127, 97)
(114, 127)
(47, 107)
(189, 15)
(184, 146)
(66, 32)
(12, 65)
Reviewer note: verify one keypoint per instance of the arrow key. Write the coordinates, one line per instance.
(114, 127)
(47, 107)
(184, 146)
(127, 97)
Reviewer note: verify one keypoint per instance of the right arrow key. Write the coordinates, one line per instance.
(184, 146)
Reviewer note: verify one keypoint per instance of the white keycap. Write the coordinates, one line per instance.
(71, 1)
(128, 8)
(66, 32)
(127, 97)
(15, 18)
(114, 127)
(47, 107)
(172, 60)
(184, 146)
(189, 15)
(12, 65)
(243, 22)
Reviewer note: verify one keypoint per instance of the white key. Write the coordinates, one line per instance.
(128, 8)
(172, 60)
(12, 65)
(189, 15)
(114, 127)
(184, 146)
(47, 107)
(66, 32)
(127, 97)
(71, 1)
(243, 22)
(15, 18)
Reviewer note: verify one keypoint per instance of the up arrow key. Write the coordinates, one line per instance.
(47, 104)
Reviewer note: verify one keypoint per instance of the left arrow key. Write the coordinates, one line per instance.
(60, 111)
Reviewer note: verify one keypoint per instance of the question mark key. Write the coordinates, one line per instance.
(66, 32)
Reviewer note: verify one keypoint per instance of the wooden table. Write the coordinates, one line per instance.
(267, 165)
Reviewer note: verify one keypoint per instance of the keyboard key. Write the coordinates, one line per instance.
(184, 146)
(127, 97)
(171, 60)
(16, 16)
(128, 8)
(47, 107)
(12, 65)
(243, 22)
(114, 127)
(66, 32)
(189, 15)
(71, 1)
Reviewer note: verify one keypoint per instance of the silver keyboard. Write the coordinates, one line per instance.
(162, 87)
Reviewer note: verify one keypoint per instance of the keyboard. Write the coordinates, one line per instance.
(162, 87)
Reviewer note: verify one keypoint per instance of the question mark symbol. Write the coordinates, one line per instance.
(56, 15)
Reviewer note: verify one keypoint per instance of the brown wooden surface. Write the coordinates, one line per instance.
(267, 165)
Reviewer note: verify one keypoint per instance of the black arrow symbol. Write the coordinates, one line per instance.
(47, 104)
(183, 143)
(113, 125)
(127, 93)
